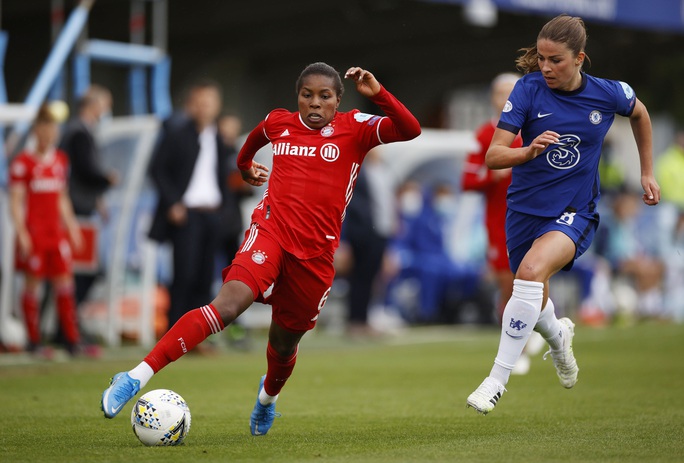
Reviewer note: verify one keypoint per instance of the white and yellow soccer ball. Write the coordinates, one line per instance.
(160, 417)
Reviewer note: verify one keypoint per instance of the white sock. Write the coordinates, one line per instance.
(265, 399)
(142, 373)
(549, 326)
(519, 317)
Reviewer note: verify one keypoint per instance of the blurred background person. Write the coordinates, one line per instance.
(232, 224)
(189, 169)
(632, 249)
(421, 254)
(494, 186)
(88, 180)
(46, 229)
(670, 173)
(370, 220)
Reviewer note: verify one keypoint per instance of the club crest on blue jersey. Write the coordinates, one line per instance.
(595, 117)
(564, 154)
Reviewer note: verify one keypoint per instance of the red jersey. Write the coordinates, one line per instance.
(314, 170)
(477, 176)
(44, 180)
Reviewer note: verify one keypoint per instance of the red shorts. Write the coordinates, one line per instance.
(497, 253)
(48, 258)
(296, 289)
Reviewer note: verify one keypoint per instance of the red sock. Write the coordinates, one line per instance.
(192, 328)
(66, 310)
(279, 369)
(29, 304)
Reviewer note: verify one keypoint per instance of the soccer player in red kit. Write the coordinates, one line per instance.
(494, 185)
(45, 222)
(286, 258)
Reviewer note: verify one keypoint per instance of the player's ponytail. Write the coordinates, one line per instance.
(527, 62)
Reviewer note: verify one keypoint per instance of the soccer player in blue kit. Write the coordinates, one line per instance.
(563, 115)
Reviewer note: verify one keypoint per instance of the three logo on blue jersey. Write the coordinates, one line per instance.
(565, 154)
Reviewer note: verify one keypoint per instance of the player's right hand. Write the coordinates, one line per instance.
(257, 175)
(541, 142)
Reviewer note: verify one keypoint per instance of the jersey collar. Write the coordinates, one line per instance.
(578, 90)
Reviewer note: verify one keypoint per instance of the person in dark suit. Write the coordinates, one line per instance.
(189, 168)
(88, 180)
(369, 221)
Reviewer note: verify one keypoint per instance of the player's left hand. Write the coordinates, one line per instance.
(257, 175)
(366, 83)
(651, 194)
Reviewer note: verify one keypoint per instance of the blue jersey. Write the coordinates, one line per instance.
(565, 176)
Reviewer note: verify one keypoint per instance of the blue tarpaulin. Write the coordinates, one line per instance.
(655, 15)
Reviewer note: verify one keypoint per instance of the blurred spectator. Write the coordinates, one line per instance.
(232, 227)
(494, 185)
(420, 248)
(189, 169)
(45, 223)
(87, 179)
(370, 220)
(670, 173)
(627, 241)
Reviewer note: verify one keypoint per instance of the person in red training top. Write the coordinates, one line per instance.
(45, 223)
(286, 258)
(494, 185)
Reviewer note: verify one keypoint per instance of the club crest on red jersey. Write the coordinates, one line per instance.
(327, 131)
(259, 257)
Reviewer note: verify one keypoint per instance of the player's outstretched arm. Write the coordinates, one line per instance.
(402, 125)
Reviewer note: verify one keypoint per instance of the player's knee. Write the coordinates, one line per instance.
(529, 272)
(233, 299)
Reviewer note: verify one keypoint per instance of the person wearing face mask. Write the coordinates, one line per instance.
(563, 115)
(286, 258)
(88, 180)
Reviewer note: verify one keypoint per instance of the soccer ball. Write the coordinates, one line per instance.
(160, 417)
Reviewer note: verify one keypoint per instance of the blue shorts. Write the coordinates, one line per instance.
(522, 229)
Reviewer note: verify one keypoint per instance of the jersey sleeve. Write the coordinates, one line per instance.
(626, 98)
(398, 125)
(515, 110)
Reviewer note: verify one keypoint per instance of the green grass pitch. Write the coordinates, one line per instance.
(399, 400)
